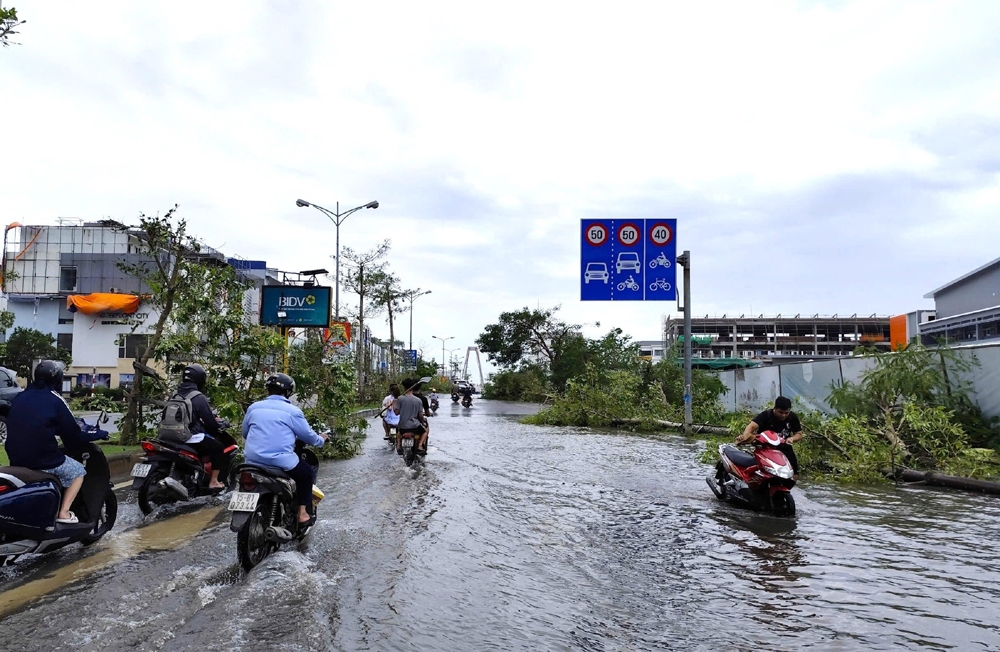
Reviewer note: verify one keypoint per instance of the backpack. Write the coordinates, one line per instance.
(178, 415)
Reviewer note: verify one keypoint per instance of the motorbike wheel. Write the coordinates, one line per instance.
(782, 504)
(251, 545)
(3, 430)
(720, 482)
(105, 520)
(150, 489)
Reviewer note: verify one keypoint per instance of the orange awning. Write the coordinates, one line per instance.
(102, 302)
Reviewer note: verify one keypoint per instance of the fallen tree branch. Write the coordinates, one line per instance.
(696, 427)
(938, 480)
(812, 433)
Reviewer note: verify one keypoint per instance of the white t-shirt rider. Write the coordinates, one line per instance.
(389, 416)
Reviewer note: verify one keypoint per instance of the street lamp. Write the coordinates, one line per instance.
(443, 340)
(411, 295)
(336, 217)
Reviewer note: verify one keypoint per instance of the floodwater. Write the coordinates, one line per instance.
(514, 537)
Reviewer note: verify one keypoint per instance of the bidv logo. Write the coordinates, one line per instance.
(296, 302)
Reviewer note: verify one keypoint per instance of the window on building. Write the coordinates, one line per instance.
(131, 346)
(65, 316)
(64, 341)
(126, 381)
(67, 279)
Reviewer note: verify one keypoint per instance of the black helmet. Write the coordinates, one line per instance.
(49, 373)
(280, 384)
(196, 374)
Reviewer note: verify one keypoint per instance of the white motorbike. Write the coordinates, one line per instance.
(659, 261)
(628, 283)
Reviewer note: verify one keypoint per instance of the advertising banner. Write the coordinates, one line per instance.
(288, 305)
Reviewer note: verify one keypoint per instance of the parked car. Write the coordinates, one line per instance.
(8, 390)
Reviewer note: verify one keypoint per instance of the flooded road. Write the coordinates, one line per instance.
(515, 537)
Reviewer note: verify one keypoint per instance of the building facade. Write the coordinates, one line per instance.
(49, 268)
(778, 339)
(967, 308)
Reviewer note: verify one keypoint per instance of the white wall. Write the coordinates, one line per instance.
(95, 337)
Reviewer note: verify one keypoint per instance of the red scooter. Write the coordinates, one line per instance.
(762, 480)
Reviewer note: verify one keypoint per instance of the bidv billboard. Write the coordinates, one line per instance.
(287, 305)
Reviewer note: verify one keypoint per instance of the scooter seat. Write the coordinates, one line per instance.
(739, 458)
(268, 470)
(25, 475)
(178, 446)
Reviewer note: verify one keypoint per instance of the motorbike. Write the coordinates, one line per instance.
(761, 481)
(434, 406)
(171, 471)
(466, 401)
(30, 502)
(660, 260)
(391, 439)
(455, 397)
(409, 448)
(265, 510)
(629, 283)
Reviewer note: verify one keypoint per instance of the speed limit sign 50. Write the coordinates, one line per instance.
(597, 234)
(629, 234)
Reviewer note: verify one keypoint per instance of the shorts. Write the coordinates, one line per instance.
(392, 421)
(68, 471)
(412, 431)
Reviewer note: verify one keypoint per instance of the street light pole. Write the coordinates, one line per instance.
(443, 340)
(411, 295)
(337, 218)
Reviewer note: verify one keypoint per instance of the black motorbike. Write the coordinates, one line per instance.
(455, 398)
(30, 502)
(172, 472)
(265, 510)
(467, 401)
(434, 406)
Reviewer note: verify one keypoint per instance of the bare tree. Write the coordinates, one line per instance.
(361, 277)
(390, 295)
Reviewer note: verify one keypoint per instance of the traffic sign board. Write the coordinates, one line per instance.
(628, 260)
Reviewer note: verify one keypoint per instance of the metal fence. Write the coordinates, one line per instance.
(810, 382)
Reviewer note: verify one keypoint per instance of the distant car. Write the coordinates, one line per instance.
(596, 272)
(628, 260)
(8, 390)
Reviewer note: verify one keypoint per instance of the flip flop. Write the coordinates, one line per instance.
(72, 519)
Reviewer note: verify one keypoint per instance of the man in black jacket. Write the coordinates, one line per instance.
(205, 429)
(37, 416)
(781, 420)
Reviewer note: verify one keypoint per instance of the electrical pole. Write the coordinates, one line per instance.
(685, 261)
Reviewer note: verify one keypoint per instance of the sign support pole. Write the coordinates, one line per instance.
(685, 260)
(284, 357)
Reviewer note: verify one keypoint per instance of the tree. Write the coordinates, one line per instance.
(210, 325)
(26, 345)
(389, 294)
(361, 276)
(8, 22)
(166, 272)
(535, 333)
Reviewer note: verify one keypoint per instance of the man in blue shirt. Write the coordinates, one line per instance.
(37, 416)
(270, 429)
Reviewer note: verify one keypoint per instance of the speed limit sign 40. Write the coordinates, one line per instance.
(597, 234)
(629, 234)
(661, 234)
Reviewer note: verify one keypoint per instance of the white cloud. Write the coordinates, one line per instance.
(830, 131)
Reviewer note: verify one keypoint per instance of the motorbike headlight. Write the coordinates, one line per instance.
(782, 471)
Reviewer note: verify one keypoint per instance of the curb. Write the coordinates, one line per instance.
(370, 412)
(120, 465)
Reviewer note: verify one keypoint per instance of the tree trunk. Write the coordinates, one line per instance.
(392, 342)
(359, 337)
(955, 482)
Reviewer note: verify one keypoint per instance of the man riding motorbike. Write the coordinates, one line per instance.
(412, 418)
(270, 429)
(205, 429)
(37, 416)
(781, 420)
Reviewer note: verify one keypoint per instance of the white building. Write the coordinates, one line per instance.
(64, 280)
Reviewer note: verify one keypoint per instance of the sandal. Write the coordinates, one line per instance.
(72, 519)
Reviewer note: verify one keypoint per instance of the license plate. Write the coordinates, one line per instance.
(243, 501)
(141, 470)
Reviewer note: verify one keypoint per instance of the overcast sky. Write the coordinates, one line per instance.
(820, 157)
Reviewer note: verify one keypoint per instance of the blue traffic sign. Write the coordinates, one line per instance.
(628, 260)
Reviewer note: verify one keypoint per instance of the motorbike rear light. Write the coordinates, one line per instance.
(4, 487)
(230, 449)
(149, 447)
(190, 456)
(247, 480)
